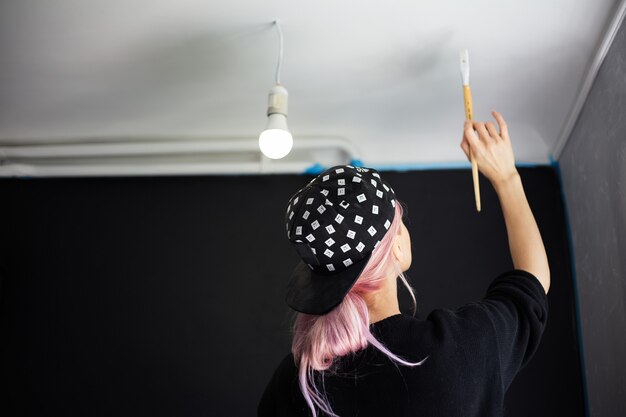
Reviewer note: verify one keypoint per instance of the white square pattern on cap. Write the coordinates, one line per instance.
(336, 207)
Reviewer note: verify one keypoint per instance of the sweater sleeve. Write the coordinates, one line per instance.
(517, 307)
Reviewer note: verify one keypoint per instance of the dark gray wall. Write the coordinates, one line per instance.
(164, 296)
(593, 170)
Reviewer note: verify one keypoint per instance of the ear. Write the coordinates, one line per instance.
(397, 250)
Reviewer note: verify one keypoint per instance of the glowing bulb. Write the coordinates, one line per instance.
(276, 141)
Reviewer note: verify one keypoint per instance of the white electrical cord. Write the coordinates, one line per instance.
(280, 53)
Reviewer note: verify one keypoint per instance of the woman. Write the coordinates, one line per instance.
(353, 352)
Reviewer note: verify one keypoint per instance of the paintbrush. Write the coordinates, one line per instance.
(467, 98)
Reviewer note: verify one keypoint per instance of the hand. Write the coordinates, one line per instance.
(492, 150)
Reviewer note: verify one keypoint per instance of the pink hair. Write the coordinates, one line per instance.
(318, 340)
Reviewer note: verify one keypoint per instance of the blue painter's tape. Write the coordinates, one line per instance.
(314, 169)
(554, 164)
(421, 166)
(532, 164)
(441, 165)
(318, 168)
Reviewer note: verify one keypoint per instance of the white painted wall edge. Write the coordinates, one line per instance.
(590, 77)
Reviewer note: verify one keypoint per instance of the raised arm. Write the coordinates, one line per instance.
(494, 154)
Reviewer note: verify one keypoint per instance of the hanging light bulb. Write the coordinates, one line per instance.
(275, 141)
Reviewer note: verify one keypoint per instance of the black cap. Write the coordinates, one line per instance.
(334, 223)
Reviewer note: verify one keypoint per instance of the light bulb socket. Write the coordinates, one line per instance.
(277, 121)
(277, 100)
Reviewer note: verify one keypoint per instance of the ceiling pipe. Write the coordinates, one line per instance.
(67, 159)
(112, 170)
(178, 146)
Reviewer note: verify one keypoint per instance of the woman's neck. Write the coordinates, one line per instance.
(383, 303)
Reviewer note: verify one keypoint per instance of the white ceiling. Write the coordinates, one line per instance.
(383, 75)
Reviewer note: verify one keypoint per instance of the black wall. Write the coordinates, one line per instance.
(593, 167)
(163, 296)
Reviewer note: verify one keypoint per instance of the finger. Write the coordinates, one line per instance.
(475, 146)
(470, 135)
(504, 130)
(483, 133)
(465, 147)
(491, 128)
(464, 143)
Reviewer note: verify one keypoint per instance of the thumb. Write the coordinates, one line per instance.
(471, 135)
(465, 147)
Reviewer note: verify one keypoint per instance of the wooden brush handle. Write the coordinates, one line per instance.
(467, 98)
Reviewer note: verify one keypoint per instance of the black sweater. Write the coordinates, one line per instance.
(473, 352)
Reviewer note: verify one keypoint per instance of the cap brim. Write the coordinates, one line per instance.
(313, 293)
